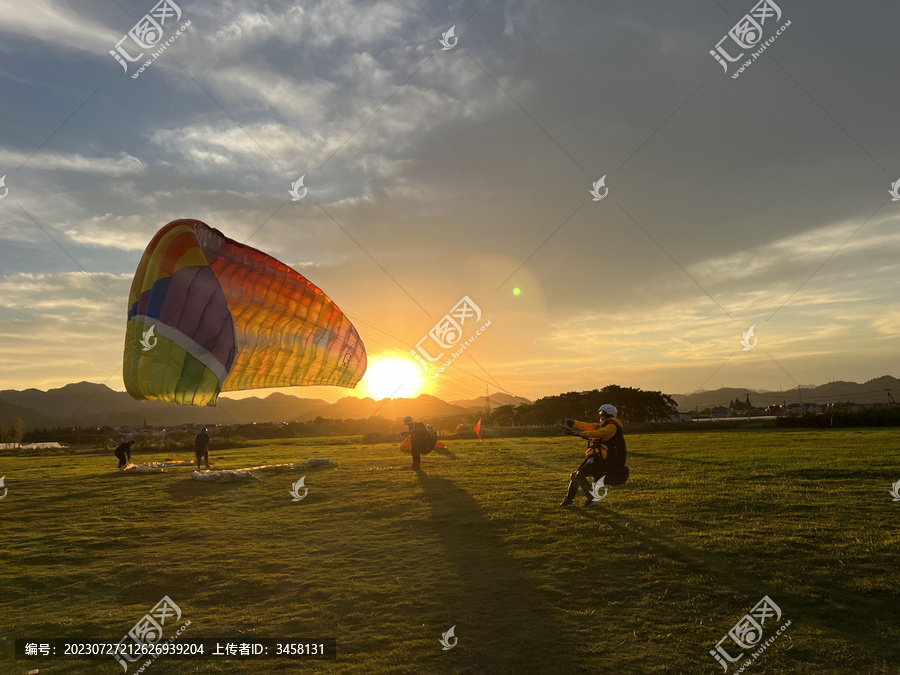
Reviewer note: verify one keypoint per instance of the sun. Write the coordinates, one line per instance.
(392, 377)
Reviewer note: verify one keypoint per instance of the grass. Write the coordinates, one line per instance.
(386, 560)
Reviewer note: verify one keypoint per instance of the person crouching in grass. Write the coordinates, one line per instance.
(605, 455)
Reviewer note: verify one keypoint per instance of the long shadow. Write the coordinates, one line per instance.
(855, 611)
(445, 452)
(675, 458)
(189, 489)
(507, 622)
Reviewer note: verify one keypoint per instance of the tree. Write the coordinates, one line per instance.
(19, 430)
(503, 416)
(636, 405)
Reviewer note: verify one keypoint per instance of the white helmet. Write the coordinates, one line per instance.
(609, 409)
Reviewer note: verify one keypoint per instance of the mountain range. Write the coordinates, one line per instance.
(873, 391)
(90, 404)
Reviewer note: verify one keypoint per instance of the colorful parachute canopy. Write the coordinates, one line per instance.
(207, 314)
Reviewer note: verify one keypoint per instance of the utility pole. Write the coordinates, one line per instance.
(890, 398)
(487, 401)
(748, 405)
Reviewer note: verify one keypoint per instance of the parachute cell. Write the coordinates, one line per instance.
(208, 314)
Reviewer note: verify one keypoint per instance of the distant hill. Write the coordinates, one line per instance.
(90, 404)
(9, 413)
(872, 391)
(497, 399)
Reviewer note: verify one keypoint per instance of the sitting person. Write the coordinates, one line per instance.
(605, 455)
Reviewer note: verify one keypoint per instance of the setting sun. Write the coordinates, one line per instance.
(392, 377)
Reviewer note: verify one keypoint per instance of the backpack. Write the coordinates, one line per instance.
(617, 452)
(432, 437)
(617, 475)
(422, 441)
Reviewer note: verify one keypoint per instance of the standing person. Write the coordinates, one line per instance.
(202, 445)
(605, 455)
(122, 451)
(421, 442)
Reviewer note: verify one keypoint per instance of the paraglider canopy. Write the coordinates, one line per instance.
(208, 314)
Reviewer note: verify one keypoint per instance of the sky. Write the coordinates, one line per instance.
(437, 171)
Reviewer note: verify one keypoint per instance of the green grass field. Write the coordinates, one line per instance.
(385, 560)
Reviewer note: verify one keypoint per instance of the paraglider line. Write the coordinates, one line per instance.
(478, 9)
(60, 126)
(826, 260)
(373, 113)
(130, 15)
(727, 13)
(525, 111)
(827, 114)
(373, 260)
(383, 402)
(266, 221)
(713, 373)
(424, 10)
(782, 367)
(89, 397)
(497, 384)
(658, 128)
(229, 115)
(90, 276)
(675, 261)
(541, 246)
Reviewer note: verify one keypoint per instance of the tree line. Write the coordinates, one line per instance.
(634, 405)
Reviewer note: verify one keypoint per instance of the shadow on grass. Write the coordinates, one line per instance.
(507, 624)
(445, 452)
(856, 616)
(675, 458)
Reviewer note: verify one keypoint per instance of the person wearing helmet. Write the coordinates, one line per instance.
(202, 447)
(421, 441)
(605, 454)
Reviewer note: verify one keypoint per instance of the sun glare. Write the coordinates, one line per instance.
(393, 378)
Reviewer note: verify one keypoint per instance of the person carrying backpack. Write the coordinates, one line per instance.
(421, 440)
(605, 455)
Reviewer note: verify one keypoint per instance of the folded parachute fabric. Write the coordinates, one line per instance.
(225, 476)
(173, 463)
(142, 468)
(254, 472)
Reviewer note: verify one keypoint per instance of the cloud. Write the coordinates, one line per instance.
(124, 164)
(32, 295)
(55, 25)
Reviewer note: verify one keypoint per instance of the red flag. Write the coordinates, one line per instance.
(477, 428)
